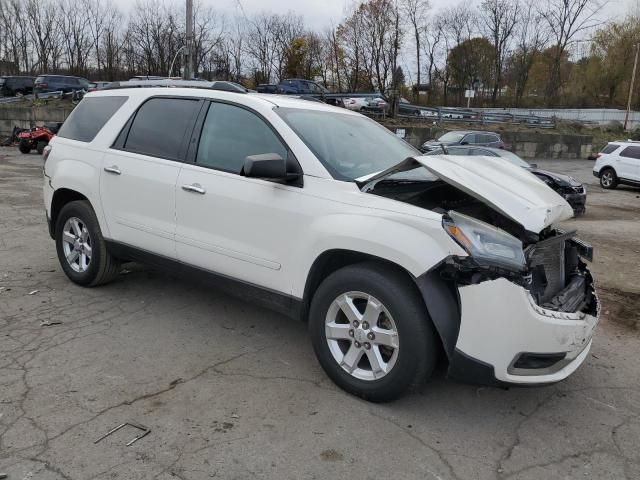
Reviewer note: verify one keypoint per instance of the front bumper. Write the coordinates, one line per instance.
(501, 323)
(578, 201)
(47, 193)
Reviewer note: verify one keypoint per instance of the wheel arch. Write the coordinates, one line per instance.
(61, 197)
(439, 297)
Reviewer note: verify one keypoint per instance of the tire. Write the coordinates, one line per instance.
(40, 146)
(24, 146)
(408, 364)
(99, 266)
(608, 179)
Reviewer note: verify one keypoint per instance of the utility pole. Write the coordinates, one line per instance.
(188, 68)
(633, 80)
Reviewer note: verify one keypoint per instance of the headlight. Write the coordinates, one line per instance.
(487, 244)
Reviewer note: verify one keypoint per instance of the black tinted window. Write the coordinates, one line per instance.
(159, 127)
(230, 134)
(88, 118)
(631, 152)
(609, 148)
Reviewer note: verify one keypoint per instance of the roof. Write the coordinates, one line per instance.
(264, 99)
(473, 131)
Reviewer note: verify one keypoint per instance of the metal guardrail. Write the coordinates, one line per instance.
(448, 114)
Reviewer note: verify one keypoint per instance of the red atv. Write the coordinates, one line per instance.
(37, 137)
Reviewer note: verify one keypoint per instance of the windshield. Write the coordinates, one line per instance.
(451, 137)
(349, 146)
(513, 158)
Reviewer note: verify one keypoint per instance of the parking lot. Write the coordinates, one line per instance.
(232, 391)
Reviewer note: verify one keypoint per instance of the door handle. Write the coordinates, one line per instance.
(195, 188)
(114, 169)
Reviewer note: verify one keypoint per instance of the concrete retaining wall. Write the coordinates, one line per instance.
(27, 117)
(528, 144)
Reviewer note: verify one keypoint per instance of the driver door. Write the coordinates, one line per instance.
(229, 224)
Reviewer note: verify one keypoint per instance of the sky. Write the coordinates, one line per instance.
(319, 14)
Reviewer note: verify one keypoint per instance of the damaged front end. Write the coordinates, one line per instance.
(520, 306)
(551, 268)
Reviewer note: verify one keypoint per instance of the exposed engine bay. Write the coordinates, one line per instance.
(555, 275)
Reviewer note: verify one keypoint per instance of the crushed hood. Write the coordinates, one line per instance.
(507, 188)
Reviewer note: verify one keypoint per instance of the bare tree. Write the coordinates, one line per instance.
(43, 25)
(415, 11)
(530, 38)
(565, 19)
(499, 18)
(73, 23)
(433, 40)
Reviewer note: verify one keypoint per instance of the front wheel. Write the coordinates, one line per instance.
(41, 145)
(608, 179)
(371, 332)
(24, 146)
(82, 251)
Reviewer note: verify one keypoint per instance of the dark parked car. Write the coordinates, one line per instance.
(464, 137)
(12, 86)
(567, 187)
(299, 86)
(267, 88)
(60, 83)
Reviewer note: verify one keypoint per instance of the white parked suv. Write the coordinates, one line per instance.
(392, 258)
(618, 163)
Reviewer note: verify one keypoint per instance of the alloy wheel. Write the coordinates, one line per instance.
(607, 179)
(362, 335)
(76, 244)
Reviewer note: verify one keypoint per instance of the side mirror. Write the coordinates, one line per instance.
(533, 165)
(265, 165)
(464, 143)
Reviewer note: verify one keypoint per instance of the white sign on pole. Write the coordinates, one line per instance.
(469, 93)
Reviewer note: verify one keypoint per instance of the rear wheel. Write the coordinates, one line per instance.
(24, 146)
(371, 332)
(41, 145)
(82, 251)
(608, 178)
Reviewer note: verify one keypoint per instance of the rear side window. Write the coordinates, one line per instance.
(159, 127)
(631, 152)
(610, 148)
(88, 118)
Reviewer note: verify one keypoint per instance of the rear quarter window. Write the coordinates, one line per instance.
(88, 118)
(610, 148)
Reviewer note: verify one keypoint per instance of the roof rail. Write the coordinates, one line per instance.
(169, 83)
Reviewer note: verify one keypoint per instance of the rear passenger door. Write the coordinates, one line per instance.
(629, 163)
(139, 174)
(227, 223)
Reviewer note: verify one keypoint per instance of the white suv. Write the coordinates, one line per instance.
(393, 258)
(618, 163)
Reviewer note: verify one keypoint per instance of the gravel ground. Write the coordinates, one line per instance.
(233, 391)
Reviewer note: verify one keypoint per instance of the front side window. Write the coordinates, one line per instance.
(88, 118)
(470, 139)
(230, 134)
(159, 127)
(631, 152)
